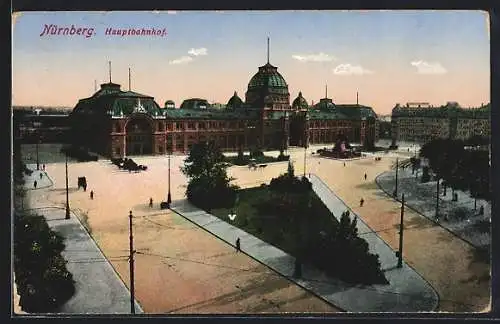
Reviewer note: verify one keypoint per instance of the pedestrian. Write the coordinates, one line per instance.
(41, 175)
(344, 163)
(238, 245)
(34, 184)
(43, 167)
(365, 176)
(91, 194)
(481, 210)
(84, 187)
(150, 202)
(361, 202)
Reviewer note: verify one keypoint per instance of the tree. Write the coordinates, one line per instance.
(209, 185)
(290, 171)
(43, 281)
(240, 159)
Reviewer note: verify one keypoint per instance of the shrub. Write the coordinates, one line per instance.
(460, 213)
(44, 283)
(426, 177)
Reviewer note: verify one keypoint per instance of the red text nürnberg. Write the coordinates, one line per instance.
(56, 30)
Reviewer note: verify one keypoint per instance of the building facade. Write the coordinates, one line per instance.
(421, 122)
(120, 123)
(41, 125)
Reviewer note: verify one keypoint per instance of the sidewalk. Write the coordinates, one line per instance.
(407, 291)
(421, 197)
(16, 298)
(99, 290)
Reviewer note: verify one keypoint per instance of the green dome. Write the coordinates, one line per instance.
(234, 101)
(268, 76)
(300, 102)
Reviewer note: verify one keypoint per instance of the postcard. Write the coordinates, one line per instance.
(251, 162)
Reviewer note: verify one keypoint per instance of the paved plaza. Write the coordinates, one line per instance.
(179, 267)
(207, 275)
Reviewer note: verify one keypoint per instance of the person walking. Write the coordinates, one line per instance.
(43, 167)
(92, 194)
(361, 202)
(365, 176)
(344, 163)
(41, 176)
(238, 245)
(34, 184)
(150, 202)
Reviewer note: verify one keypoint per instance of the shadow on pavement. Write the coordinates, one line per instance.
(368, 186)
(63, 190)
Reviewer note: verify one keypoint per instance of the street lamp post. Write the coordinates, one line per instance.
(396, 188)
(306, 140)
(437, 198)
(401, 229)
(37, 158)
(67, 191)
(131, 265)
(169, 195)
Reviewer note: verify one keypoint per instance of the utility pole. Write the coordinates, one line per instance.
(131, 263)
(306, 138)
(169, 196)
(437, 198)
(67, 190)
(401, 228)
(305, 156)
(37, 158)
(395, 193)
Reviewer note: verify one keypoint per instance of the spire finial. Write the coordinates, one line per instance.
(357, 98)
(109, 63)
(129, 79)
(267, 49)
(326, 90)
(235, 93)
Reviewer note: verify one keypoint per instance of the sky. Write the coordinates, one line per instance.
(388, 57)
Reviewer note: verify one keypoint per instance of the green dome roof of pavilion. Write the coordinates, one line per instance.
(268, 76)
(234, 101)
(300, 102)
(112, 101)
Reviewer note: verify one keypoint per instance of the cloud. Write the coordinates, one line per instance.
(181, 60)
(348, 69)
(198, 51)
(424, 67)
(320, 57)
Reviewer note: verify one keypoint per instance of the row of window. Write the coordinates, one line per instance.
(160, 127)
(329, 123)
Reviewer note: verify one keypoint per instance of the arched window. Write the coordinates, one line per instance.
(160, 127)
